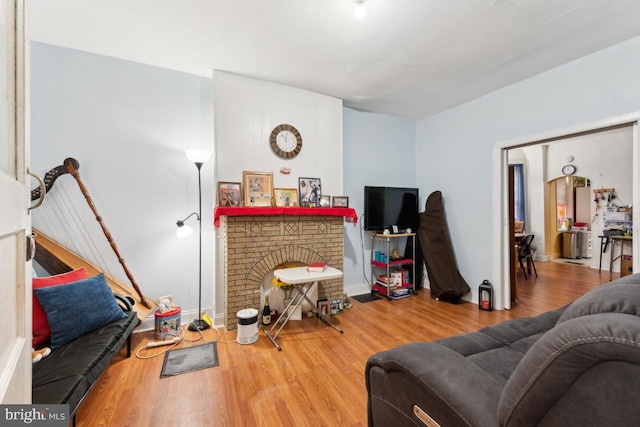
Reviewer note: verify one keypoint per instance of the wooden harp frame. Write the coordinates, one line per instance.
(57, 259)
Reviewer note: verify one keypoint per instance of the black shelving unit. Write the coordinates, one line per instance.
(392, 277)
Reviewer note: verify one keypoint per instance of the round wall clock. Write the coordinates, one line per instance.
(568, 169)
(285, 141)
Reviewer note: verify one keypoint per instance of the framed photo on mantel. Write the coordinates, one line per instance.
(310, 192)
(325, 201)
(340, 202)
(258, 188)
(286, 197)
(229, 194)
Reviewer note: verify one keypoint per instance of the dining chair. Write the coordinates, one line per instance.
(524, 253)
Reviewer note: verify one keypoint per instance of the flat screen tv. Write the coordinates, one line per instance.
(385, 207)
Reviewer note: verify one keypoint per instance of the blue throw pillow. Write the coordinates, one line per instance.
(78, 308)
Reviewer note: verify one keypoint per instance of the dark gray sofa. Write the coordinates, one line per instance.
(575, 366)
(68, 374)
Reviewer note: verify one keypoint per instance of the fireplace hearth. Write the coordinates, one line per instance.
(255, 245)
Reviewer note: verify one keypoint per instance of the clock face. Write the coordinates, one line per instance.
(285, 141)
(569, 170)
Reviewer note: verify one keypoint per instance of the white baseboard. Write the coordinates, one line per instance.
(357, 289)
(149, 323)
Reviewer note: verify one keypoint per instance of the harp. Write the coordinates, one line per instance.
(56, 258)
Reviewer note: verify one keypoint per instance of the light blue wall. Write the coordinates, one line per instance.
(454, 148)
(378, 150)
(128, 125)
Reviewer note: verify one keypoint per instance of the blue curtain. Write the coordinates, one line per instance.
(519, 192)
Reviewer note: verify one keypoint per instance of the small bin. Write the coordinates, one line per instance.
(247, 326)
(626, 265)
(168, 324)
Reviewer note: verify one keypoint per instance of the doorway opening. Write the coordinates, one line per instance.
(546, 166)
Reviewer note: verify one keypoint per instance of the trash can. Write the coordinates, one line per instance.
(571, 244)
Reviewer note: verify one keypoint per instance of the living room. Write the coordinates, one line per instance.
(131, 111)
(128, 124)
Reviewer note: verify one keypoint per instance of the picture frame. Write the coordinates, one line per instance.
(335, 306)
(340, 202)
(310, 190)
(229, 194)
(324, 307)
(579, 181)
(286, 197)
(258, 188)
(325, 201)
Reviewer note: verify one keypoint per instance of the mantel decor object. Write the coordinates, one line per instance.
(258, 188)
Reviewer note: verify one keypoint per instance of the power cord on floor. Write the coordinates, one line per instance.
(170, 343)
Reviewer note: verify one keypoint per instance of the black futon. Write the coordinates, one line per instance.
(67, 375)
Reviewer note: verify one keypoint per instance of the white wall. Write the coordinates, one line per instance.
(246, 111)
(455, 147)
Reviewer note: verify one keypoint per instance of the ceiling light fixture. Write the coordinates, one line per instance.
(360, 9)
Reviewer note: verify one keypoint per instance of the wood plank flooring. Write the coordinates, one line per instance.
(318, 377)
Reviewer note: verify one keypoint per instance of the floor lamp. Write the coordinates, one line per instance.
(198, 157)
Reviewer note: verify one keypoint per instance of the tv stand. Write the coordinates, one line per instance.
(390, 276)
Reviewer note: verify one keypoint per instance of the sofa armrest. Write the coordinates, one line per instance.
(451, 389)
(584, 371)
(125, 301)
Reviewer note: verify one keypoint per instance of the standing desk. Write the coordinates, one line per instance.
(297, 277)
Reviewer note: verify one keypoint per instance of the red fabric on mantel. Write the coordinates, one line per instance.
(349, 214)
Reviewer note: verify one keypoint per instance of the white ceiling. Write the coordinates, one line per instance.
(410, 58)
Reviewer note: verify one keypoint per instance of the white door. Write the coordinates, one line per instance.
(15, 224)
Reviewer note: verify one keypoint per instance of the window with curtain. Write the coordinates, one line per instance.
(519, 192)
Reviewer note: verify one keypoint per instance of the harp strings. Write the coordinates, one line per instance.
(67, 217)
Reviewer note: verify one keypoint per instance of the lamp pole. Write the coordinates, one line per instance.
(199, 157)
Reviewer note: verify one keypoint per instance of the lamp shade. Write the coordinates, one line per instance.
(183, 231)
(198, 155)
(360, 9)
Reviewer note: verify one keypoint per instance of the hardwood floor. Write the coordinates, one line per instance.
(318, 377)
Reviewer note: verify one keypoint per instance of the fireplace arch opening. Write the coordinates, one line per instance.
(255, 245)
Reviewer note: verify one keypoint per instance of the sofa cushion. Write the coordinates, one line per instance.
(621, 296)
(497, 349)
(573, 363)
(41, 330)
(77, 308)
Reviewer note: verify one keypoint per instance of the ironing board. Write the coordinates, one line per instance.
(297, 277)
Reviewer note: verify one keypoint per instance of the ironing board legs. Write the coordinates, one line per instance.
(287, 313)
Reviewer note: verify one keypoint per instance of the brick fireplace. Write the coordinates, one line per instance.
(255, 245)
